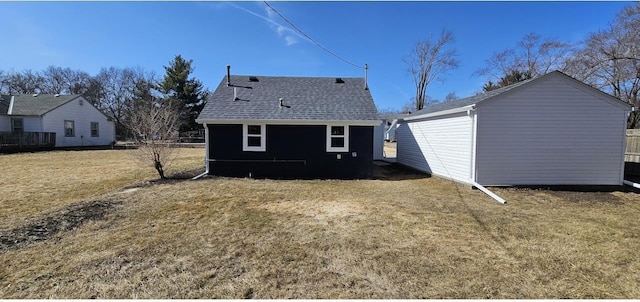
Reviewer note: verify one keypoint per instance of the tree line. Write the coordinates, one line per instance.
(119, 91)
(608, 59)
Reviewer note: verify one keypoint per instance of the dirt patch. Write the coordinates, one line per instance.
(46, 227)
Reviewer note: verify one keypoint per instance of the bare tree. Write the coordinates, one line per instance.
(155, 125)
(451, 96)
(532, 54)
(117, 89)
(25, 82)
(4, 87)
(610, 60)
(429, 61)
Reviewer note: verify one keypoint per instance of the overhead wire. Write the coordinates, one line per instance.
(308, 37)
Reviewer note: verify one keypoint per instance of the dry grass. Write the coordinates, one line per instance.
(34, 183)
(410, 237)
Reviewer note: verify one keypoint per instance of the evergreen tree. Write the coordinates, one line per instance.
(514, 76)
(186, 92)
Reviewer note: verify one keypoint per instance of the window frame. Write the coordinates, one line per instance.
(13, 126)
(97, 130)
(345, 136)
(73, 128)
(262, 135)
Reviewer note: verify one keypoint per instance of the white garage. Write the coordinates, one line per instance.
(550, 130)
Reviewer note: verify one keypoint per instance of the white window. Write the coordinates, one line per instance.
(17, 125)
(95, 129)
(337, 138)
(69, 129)
(254, 138)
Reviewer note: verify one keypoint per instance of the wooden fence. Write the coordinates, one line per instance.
(26, 140)
(632, 153)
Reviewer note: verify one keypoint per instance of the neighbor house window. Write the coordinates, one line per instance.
(69, 129)
(254, 137)
(94, 129)
(337, 138)
(17, 125)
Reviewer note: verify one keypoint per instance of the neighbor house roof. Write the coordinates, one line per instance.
(303, 98)
(33, 105)
(481, 97)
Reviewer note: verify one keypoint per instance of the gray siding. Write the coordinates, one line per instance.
(552, 133)
(378, 141)
(440, 146)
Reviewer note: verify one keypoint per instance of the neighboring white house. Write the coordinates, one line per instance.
(75, 121)
(550, 130)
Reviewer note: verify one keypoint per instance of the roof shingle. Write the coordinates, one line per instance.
(30, 105)
(304, 98)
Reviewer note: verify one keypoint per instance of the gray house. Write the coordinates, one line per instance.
(550, 130)
(290, 127)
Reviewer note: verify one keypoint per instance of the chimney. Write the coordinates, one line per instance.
(366, 72)
(228, 75)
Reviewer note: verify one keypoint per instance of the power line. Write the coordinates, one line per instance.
(310, 39)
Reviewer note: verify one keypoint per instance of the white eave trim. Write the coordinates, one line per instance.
(440, 113)
(292, 122)
(10, 111)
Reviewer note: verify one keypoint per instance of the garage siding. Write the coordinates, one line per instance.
(440, 146)
(551, 133)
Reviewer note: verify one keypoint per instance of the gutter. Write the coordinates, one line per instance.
(292, 122)
(443, 112)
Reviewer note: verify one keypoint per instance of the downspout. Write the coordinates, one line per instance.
(472, 152)
(486, 191)
(472, 172)
(633, 184)
(206, 152)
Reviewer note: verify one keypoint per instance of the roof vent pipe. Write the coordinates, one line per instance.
(281, 102)
(366, 72)
(228, 75)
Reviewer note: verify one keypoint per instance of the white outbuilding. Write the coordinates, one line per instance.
(549, 130)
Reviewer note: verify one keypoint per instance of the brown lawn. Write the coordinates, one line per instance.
(401, 236)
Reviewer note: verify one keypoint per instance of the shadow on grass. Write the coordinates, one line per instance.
(396, 172)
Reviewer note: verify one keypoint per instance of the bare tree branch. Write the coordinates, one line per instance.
(155, 125)
(429, 61)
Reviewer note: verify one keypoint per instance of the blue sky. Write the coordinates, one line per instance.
(254, 41)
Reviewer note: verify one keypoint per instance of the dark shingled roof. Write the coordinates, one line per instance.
(4, 104)
(467, 101)
(304, 98)
(27, 104)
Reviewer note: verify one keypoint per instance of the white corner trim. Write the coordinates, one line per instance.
(11, 105)
(263, 138)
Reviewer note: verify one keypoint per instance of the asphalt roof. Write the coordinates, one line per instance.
(4, 104)
(468, 100)
(304, 98)
(34, 105)
(487, 95)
